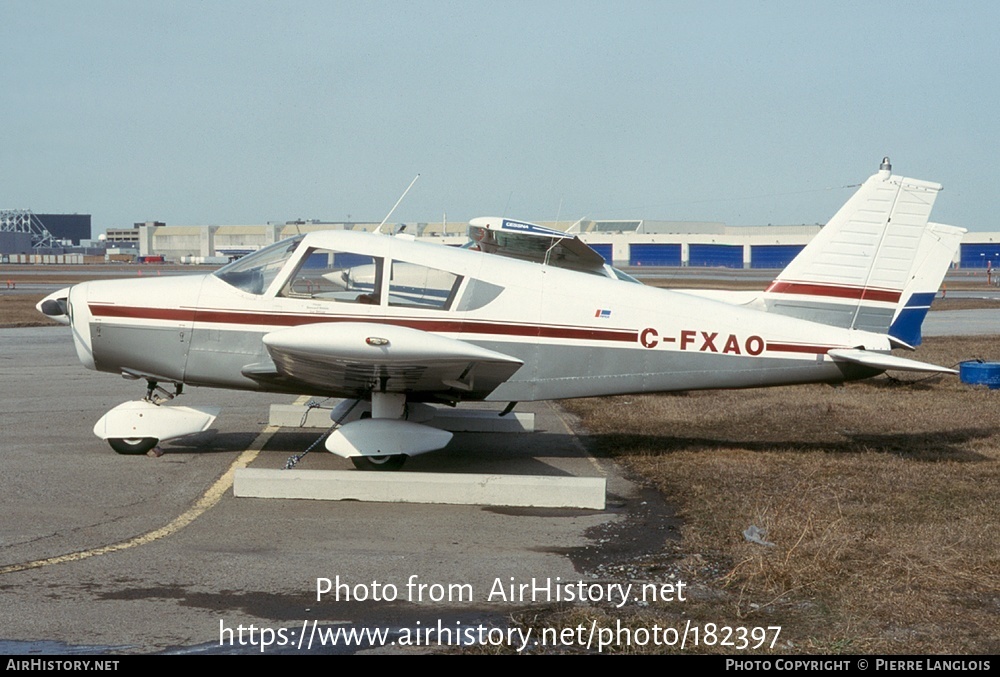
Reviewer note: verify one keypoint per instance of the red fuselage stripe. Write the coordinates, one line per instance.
(293, 320)
(860, 293)
(445, 326)
(797, 348)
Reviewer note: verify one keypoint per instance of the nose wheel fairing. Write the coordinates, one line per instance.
(132, 425)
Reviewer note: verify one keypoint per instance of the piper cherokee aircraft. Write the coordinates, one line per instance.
(392, 322)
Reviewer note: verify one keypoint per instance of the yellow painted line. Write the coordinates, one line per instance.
(207, 500)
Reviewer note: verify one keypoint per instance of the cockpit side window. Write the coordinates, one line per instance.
(344, 277)
(255, 272)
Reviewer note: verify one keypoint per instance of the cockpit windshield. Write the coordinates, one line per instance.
(255, 272)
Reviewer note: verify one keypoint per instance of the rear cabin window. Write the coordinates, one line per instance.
(416, 286)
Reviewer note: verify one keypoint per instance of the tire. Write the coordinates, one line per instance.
(131, 446)
(383, 463)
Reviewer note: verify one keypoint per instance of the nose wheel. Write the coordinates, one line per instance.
(131, 446)
(390, 462)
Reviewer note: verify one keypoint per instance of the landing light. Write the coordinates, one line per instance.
(376, 341)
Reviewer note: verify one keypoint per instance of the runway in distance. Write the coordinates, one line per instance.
(523, 313)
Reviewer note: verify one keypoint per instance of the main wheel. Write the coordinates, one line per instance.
(130, 446)
(391, 462)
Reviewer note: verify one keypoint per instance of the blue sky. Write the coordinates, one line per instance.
(247, 112)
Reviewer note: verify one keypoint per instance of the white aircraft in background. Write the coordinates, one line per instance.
(390, 322)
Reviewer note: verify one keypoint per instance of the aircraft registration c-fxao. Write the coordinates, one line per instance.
(523, 313)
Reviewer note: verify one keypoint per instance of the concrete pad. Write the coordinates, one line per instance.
(535, 491)
(444, 418)
(470, 421)
(294, 416)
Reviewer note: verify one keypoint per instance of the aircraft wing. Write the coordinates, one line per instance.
(355, 358)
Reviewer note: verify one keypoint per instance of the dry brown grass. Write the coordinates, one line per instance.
(19, 311)
(965, 304)
(71, 274)
(882, 498)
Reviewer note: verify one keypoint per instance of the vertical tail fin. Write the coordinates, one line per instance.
(854, 272)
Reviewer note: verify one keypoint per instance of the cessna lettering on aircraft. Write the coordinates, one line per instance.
(523, 313)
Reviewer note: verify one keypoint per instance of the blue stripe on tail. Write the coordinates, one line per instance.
(906, 326)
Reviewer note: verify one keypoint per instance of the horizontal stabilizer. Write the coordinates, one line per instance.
(884, 361)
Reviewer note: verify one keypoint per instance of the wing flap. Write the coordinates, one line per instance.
(352, 358)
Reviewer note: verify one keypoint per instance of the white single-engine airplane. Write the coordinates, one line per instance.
(390, 321)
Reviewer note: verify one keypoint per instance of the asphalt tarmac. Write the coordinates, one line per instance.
(102, 553)
(962, 322)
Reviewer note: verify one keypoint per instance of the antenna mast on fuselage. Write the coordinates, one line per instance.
(378, 231)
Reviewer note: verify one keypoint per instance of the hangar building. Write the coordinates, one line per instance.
(623, 242)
